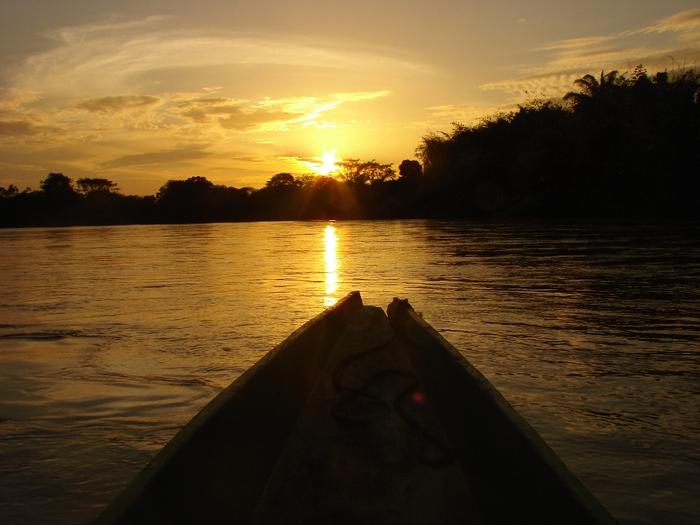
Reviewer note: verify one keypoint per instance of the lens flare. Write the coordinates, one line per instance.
(327, 165)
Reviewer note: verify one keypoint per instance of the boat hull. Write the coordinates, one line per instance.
(216, 467)
(358, 418)
(514, 475)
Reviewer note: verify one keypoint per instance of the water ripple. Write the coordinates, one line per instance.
(113, 338)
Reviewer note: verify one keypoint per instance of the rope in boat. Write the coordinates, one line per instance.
(410, 395)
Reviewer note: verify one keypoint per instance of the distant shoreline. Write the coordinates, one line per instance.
(689, 222)
(618, 149)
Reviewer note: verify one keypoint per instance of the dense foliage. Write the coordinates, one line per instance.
(617, 147)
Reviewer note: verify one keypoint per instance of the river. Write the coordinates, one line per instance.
(112, 338)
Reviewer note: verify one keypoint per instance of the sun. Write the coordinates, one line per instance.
(327, 165)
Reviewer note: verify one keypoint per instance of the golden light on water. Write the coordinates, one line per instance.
(330, 245)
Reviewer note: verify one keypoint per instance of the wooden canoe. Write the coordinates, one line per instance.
(358, 418)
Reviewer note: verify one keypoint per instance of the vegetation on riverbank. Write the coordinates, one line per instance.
(619, 146)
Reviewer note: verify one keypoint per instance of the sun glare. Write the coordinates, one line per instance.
(327, 165)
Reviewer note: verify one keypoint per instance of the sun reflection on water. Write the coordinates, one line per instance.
(330, 244)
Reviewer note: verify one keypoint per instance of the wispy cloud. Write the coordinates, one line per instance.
(114, 104)
(267, 114)
(170, 157)
(300, 158)
(112, 23)
(359, 97)
(443, 116)
(109, 57)
(679, 23)
(15, 123)
(568, 59)
(548, 84)
(575, 43)
(21, 128)
(90, 63)
(231, 114)
(136, 95)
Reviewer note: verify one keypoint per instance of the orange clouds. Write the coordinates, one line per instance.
(113, 104)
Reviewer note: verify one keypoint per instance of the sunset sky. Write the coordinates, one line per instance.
(141, 92)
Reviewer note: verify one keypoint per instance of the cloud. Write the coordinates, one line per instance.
(245, 158)
(113, 23)
(245, 121)
(680, 22)
(170, 156)
(268, 114)
(574, 43)
(25, 128)
(202, 110)
(444, 116)
(115, 56)
(116, 104)
(18, 123)
(231, 114)
(127, 92)
(298, 158)
(302, 163)
(311, 109)
(18, 128)
(569, 59)
(548, 84)
(467, 114)
(359, 97)
(691, 37)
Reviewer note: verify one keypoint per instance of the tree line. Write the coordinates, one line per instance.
(360, 189)
(618, 146)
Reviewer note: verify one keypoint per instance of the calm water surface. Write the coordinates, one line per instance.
(112, 338)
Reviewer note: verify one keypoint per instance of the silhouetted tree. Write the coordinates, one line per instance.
(591, 89)
(368, 172)
(327, 198)
(11, 191)
(91, 185)
(434, 151)
(184, 199)
(618, 146)
(57, 186)
(282, 180)
(410, 169)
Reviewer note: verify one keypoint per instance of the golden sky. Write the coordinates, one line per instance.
(238, 91)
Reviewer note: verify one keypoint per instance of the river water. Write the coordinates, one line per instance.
(112, 338)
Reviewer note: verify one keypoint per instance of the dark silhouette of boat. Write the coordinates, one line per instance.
(358, 418)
